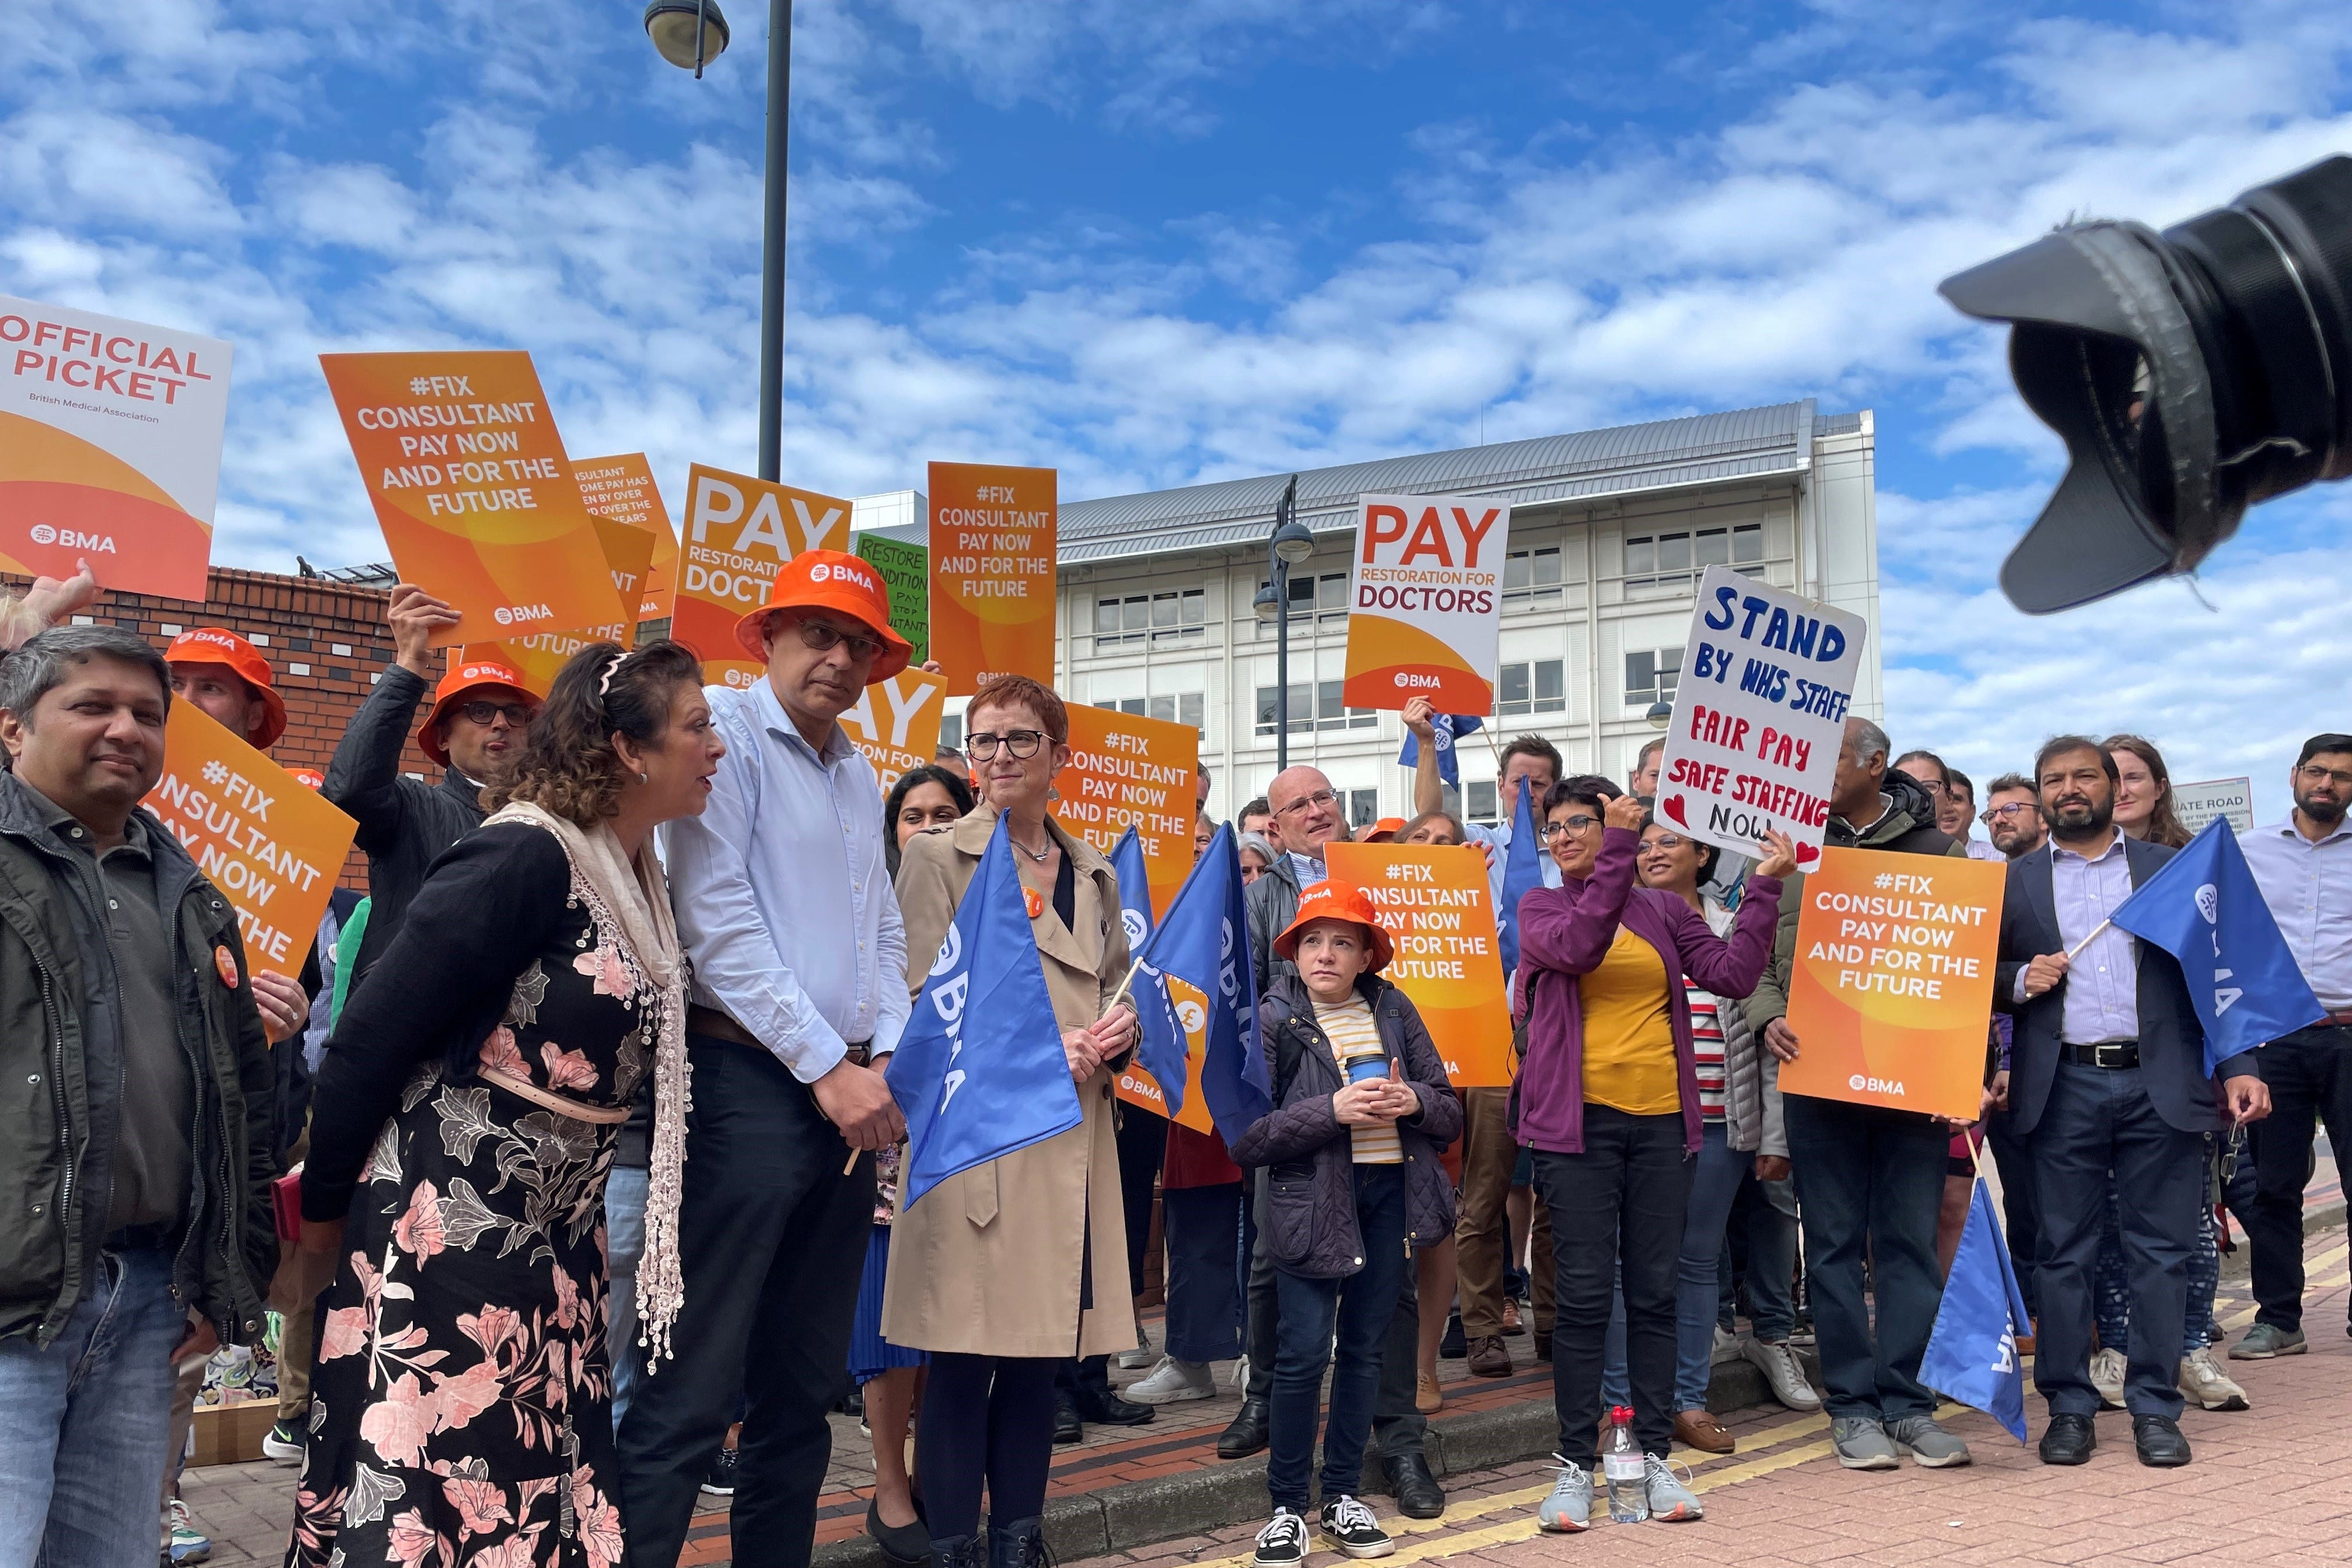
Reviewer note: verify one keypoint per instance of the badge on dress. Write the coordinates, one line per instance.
(226, 961)
(1034, 900)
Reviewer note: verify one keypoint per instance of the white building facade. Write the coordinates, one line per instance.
(1609, 531)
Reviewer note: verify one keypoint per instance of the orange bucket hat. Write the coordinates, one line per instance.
(829, 580)
(217, 645)
(468, 676)
(1334, 900)
(1384, 831)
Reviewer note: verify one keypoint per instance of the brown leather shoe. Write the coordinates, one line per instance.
(1511, 1324)
(1699, 1429)
(1488, 1358)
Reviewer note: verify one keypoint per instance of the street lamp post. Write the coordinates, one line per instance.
(1290, 543)
(690, 33)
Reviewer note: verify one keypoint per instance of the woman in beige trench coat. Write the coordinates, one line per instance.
(1002, 1271)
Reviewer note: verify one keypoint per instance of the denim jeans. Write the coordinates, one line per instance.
(1362, 1305)
(84, 1423)
(1698, 1278)
(624, 1243)
(1772, 1260)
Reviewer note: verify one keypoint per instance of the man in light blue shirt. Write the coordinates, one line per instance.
(2304, 866)
(799, 956)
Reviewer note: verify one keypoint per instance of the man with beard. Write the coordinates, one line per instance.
(2107, 1074)
(1870, 1180)
(2012, 817)
(2304, 866)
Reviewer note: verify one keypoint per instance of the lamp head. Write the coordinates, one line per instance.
(672, 24)
(1267, 603)
(1294, 542)
(1661, 715)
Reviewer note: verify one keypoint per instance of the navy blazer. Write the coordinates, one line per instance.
(2171, 1038)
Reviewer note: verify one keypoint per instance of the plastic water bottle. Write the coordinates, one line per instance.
(1626, 1471)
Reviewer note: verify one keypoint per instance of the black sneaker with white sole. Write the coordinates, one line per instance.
(720, 1481)
(1282, 1542)
(1348, 1525)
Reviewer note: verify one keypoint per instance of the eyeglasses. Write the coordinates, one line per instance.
(822, 636)
(1580, 824)
(1993, 813)
(1321, 797)
(1664, 841)
(1021, 743)
(2312, 772)
(485, 714)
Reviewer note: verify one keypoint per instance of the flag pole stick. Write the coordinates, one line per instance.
(1119, 995)
(2086, 941)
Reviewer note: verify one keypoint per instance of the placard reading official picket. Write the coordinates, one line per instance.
(272, 846)
(1126, 768)
(1438, 907)
(109, 449)
(992, 555)
(1892, 989)
(1767, 677)
(896, 722)
(739, 532)
(622, 487)
(472, 488)
(1426, 602)
(2199, 804)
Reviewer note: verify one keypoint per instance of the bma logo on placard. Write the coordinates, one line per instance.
(73, 539)
(1862, 1083)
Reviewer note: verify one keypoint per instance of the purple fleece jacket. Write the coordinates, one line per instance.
(1565, 931)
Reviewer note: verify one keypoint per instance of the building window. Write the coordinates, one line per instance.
(1319, 601)
(1540, 686)
(1652, 676)
(1313, 707)
(1179, 707)
(951, 731)
(1674, 560)
(1531, 577)
(1363, 806)
(1478, 801)
(1178, 617)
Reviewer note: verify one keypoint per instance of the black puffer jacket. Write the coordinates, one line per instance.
(1310, 1212)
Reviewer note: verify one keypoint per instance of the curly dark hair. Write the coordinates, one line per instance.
(959, 791)
(569, 768)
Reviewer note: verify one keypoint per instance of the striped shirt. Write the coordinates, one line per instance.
(1356, 1039)
(1707, 1050)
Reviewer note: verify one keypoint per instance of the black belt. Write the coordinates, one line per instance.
(2105, 1054)
(152, 1237)
(710, 1021)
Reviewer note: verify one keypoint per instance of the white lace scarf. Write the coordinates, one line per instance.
(635, 900)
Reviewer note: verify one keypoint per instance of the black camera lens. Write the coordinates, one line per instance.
(2191, 373)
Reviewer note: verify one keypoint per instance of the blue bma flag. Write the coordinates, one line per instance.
(979, 1071)
(1522, 874)
(1450, 727)
(1972, 1354)
(2203, 908)
(1159, 1037)
(1204, 942)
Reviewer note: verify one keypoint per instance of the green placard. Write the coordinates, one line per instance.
(906, 568)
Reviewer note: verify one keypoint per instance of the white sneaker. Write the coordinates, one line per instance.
(1783, 1373)
(1140, 1357)
(1240, 1374)
(2202, 1380)
(1724, 1341)
(1173, 1381)
(2109, 1369)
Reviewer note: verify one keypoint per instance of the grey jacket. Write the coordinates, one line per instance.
(61, 1074)
(1272, 903)
(1752, 1075)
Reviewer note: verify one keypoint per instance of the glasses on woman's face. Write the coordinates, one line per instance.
(1021, 743)
(822, 636)
(1578, 825)
(1664, 841)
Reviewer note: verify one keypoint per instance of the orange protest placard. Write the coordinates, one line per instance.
(271, 846)
(739, 532)
(1439, 908)
(896, 722)
(471, 486)
(993, 555)
(622, 487)
(538, 658)
(1891, 993)
(1140, 1087)
(1126, 768)
(628, 553)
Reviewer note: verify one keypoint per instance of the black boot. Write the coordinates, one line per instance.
(1105, 1408)
(1417, 1493)
(959, 1551)
(1066, 1426)
(1246, 1434)
(1020, 1544)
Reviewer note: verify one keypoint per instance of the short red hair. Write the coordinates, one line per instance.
(1021, 691)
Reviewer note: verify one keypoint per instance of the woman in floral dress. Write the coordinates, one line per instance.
(463, 1122)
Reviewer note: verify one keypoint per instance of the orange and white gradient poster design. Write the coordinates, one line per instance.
(739, 532)
(1137, 1086)
(896, 722)
(1891, 993)
(1438, 907)
(1125, 768)
(460, 454)
(992, 541)
(622, 487)
(629, 555)
(109, 449)
(270, 843)
(1426, 602)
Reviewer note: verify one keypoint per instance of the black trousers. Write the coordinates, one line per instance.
(1143, 1145)
(1619, 1202)
(986, 1418)
(2100, 1120)
(2310, 1077)
(771, 1237)
(2013, 1152)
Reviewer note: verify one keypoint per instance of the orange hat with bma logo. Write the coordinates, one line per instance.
(468, 676)
(829, 580)
(218, 644)
(1334, 900)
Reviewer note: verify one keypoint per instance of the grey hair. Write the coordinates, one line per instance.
(34, 669)
(1865, 739)
(1256, 841)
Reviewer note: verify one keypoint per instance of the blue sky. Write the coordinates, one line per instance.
(1154, 244)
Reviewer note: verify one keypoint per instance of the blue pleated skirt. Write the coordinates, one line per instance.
(871, 1355)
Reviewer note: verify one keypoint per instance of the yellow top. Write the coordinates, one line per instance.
(1629, 1032)
(1356, 1039)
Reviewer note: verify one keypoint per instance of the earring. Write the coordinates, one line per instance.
(641, 778)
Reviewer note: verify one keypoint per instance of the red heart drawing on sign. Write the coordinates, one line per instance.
(1808, 853)
(1673, 806)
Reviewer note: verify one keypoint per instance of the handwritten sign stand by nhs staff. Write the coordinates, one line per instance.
(1766, 679)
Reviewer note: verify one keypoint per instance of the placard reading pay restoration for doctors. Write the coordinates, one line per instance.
(1766, 679)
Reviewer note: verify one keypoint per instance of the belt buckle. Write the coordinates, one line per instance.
(2099, 1053)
